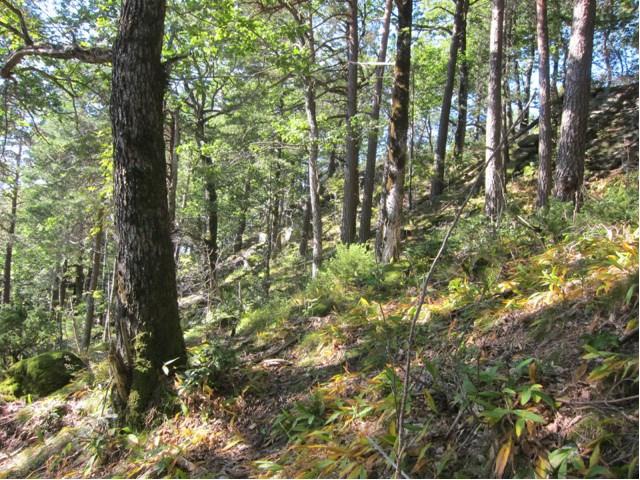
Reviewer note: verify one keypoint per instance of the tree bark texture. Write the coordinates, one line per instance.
(351, 181)
(544, 124)
(148, 332)
(372, 140)
(388, 238)
(463, 87)
(575, 109)
(437, 182)
(494, 189)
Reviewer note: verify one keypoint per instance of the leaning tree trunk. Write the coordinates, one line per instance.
(463, 88)
(148, 332)
(575, 110)
(437, 182)
(372, 142)
(544, 125)
(98, 241)
(494, 189)
(351, 182)
(11, 231)
(388, 237)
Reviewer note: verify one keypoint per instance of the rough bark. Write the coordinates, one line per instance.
(575, 110)
(437, 182)
(463, 88)
(148, 332)
(96, 262)
(372, 140)
(11, 231)
(544, 124)
(351, 181)
(494, 192)
(388, 237)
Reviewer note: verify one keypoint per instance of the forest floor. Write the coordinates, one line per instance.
(525, 363)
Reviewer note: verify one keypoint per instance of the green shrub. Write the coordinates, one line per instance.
(351, 268)
(210, 365)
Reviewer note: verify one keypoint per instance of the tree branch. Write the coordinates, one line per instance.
(95, 55)
(24, 31)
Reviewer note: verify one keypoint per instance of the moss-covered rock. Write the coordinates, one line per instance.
(41, 375)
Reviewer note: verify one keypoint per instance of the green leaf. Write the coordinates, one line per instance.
(529, 415)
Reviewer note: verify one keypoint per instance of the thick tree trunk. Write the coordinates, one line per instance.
(98, 241)
(351, 181)
(494, 188)
(388, 237)
(148, 332)
(544, 124)
(11, 231)
(575, 110)
(463, 88)
(437, 182)
(372, 141)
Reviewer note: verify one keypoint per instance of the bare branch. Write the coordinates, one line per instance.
(95, 55)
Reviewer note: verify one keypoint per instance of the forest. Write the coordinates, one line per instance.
(319, 239)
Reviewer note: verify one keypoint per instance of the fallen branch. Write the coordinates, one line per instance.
(387, 458)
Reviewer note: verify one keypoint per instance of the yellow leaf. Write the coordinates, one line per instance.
(503, 457)
(533, 372)
(430, 401)
(542, 468)
(595, 456)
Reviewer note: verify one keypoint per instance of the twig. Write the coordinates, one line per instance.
(423, 295)
(388, 459)
(601, 402)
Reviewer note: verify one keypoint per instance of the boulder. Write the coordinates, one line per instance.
(42, 374)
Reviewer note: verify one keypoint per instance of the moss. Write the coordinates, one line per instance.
(145, 379)
(42, 374)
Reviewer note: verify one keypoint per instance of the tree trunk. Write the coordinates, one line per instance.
(544, 124)
(78, 286)
(172, 179)
(575, 110)
(372, 141)
(242, 221)
(93, 283)
(494, 189)
(306, 228)
(388, 237)
(351, 181)
(463, 88)
(148, 332)
(437, 182)
(210, 237)
(11, 231)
